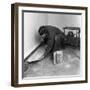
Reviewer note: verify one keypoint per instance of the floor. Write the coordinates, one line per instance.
(69, 66)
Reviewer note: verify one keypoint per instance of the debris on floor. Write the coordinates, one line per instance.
(70, 65)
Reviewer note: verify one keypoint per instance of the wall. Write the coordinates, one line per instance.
(63, 20)
(5, 45)
(32, 22)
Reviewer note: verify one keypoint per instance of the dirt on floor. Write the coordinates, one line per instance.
(45, 67)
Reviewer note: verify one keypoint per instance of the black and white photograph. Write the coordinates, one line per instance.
(51, 44)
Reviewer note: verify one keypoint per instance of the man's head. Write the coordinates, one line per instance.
(42, 31)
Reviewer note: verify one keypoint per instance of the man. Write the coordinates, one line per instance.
(52, 37)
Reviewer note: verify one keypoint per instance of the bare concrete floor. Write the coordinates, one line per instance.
(69, 66)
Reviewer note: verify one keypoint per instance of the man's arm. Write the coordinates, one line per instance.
(48, 49)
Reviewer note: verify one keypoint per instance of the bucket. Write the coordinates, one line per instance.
(58, 57)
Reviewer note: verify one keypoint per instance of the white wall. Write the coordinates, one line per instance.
(63, 20)
(5, 45)
(32, 22)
